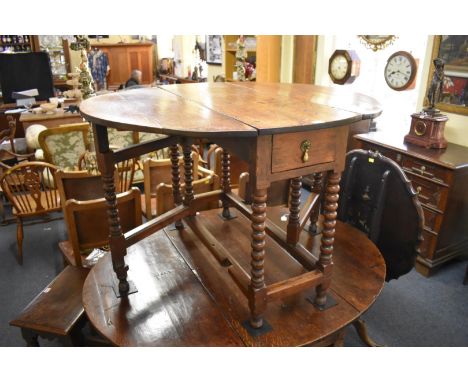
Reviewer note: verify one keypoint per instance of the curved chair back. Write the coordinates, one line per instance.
(377, 197)
(29, 188)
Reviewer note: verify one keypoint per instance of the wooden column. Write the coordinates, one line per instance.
(175, 171)
(226, 164)
(317, 189)
(257, 297)
(188, 169)
(106, 165)
(325, 262)
(293, 229)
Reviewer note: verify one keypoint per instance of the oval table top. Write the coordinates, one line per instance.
(228, 109)
(185, 298)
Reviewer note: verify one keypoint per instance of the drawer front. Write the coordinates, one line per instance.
(324, 145)
(429, 193)
(431, 219)
(428, 245)
(425, 169)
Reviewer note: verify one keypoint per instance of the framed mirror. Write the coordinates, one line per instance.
(377, 42)
(453, 49)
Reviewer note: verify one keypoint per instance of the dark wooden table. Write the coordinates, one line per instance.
(186, 298)
(282, 131)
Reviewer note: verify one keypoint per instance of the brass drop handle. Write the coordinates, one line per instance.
(305, 146)
(423, 168)
(418, 190)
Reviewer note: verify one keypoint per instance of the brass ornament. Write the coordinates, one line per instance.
(305, 146)
(377, 42)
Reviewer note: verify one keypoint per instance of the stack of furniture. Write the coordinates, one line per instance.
(277, 146)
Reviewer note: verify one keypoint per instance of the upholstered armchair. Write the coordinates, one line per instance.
(64, 145)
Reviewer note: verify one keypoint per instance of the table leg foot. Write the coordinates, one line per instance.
(328, 302)
(124, 288)
(265, 327)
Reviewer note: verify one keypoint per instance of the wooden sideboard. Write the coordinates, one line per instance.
(123, 58)
(440, 177)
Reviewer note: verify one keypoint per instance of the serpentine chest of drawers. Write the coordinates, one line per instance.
(440, 177)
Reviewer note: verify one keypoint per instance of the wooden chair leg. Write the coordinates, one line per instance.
(361, 329)
(19, 239)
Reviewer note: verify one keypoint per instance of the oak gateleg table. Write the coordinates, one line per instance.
(283, 131)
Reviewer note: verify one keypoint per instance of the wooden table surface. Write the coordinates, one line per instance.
(186, 298)
(228, 109)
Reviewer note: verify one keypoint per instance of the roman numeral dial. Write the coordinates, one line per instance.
(400, 71)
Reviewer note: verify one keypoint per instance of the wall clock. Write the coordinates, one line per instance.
(400, 71)
(343, 66)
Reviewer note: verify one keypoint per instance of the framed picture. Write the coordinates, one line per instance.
(214, 53)
(454, 51)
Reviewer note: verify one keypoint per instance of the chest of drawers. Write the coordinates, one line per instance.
(440, 177)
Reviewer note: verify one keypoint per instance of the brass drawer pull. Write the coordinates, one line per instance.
(418, 190)
(305, 146)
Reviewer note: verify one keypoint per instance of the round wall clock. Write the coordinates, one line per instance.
(343, 66)
(400, 71)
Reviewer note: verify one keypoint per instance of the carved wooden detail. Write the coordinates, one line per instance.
(257, 301)
(175, 171)
(294, 229)
(226, 182)
(316, 188)
(328, 235)
(188, 169)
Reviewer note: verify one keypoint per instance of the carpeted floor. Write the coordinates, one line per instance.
(411, 311)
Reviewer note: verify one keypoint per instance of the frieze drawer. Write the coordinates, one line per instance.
(297, 150)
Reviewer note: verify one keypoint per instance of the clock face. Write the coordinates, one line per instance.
(400, 71)
(339, 67)
(420, 128)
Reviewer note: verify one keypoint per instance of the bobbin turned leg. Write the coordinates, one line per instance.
(293, 229)
(226, 214)
(325, 263)
(257, 290)
(175, 170)
(188, 169)
(317, 189)
(116, 238)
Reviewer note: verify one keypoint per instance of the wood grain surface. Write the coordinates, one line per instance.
(228, 109)
(186, 298)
